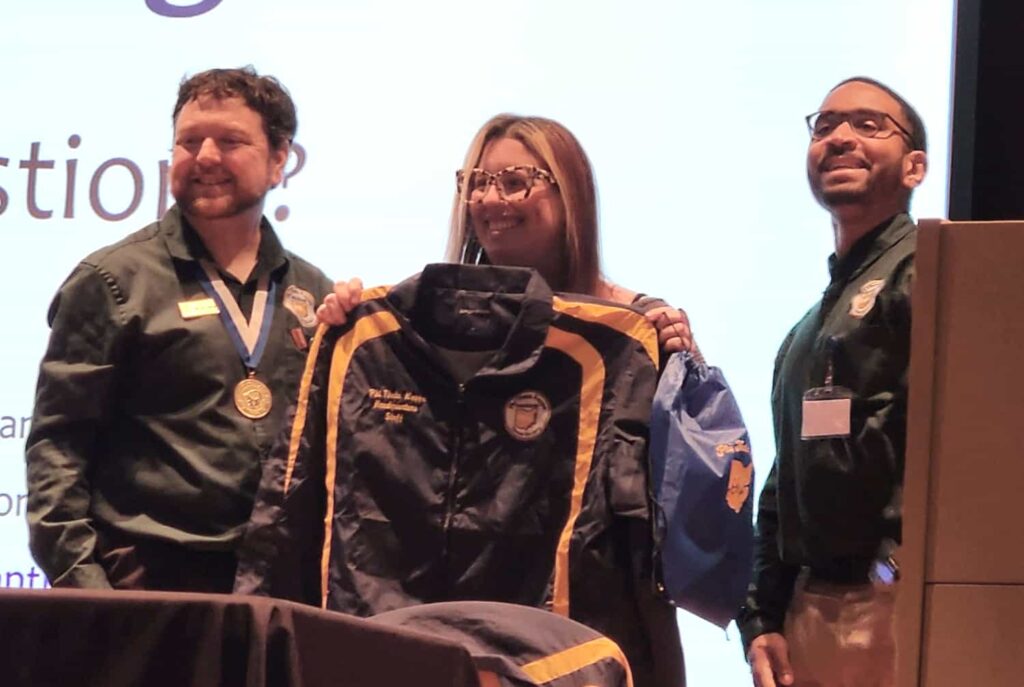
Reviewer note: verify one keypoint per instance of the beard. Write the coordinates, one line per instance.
(840, 196)
(195, 203)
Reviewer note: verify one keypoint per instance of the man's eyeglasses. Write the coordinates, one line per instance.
(513, 183)
(865, 123)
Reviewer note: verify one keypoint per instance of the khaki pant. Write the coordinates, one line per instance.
(841, 635)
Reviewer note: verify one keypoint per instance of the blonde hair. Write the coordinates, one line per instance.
(565, 159)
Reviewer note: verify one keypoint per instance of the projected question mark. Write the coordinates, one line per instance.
(281, 213)
(166, 9)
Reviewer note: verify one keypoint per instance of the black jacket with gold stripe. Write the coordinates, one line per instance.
(469, 435)
(519, 646)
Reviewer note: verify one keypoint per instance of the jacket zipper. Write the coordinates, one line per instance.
(460, 408)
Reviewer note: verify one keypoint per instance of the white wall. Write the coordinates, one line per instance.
(692, 115)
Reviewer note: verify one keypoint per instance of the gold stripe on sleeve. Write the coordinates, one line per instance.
(299, 423)
(591, 395)
(566, 662)
(366, 329)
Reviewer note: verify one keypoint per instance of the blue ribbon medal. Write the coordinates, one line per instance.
(253, 398)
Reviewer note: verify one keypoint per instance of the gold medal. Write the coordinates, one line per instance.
(253, 398)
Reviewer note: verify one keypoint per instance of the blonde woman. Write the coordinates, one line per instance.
(525, 197)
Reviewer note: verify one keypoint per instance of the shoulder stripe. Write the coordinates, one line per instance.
(591, 396)
(619, 318)
(367, 328)
(570, 660)
(375, 292)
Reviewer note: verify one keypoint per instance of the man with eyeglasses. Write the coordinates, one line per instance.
(819, 609)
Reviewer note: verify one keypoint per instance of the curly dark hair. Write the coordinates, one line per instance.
(264, 94)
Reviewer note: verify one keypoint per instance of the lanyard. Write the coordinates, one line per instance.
(248, 336)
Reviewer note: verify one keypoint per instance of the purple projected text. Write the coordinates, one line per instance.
(166, 9)
(40, 173)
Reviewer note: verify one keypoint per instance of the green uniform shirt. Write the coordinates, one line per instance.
(135, 428)
(832, 504)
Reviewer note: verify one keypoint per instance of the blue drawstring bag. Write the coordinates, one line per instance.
(703, 478)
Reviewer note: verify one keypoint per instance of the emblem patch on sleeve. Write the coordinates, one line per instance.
(301, 304)
(527, 415)
(739, 484)
(861, 304)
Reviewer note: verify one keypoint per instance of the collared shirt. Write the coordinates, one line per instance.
(135, 430)
(833, 505)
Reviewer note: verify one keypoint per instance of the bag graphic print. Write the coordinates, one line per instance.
(703, 477)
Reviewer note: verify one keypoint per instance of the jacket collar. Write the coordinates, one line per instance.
(505, 309)
(869, 248)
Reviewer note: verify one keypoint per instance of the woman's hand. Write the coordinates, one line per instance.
(673, 327)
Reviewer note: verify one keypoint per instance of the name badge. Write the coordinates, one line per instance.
(200, 308)
(826, 413)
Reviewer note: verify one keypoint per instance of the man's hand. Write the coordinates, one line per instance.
(769, 660)
(336, 306)
(673, 328)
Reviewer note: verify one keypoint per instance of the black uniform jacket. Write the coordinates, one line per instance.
(468, 435)
(522, 646)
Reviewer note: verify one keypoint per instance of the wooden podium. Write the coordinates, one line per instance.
(960, 616)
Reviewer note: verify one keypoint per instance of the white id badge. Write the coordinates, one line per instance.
(826, 413)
